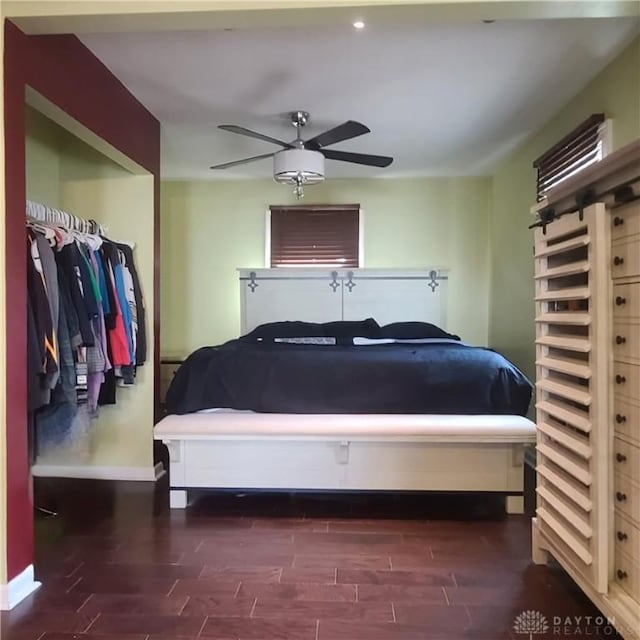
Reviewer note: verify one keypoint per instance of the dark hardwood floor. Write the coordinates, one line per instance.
(117, 563)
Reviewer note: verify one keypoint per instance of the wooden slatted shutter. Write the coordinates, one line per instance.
(316, 235)
(572, 362)
(577, 150)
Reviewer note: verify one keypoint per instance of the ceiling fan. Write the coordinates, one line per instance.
(301, 162)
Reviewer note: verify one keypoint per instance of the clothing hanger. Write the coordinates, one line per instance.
(66, 227)
(47, 231)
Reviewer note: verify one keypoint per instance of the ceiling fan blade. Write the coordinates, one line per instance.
(235, 163)
(357, 158)
(233, 128)
(345, 131)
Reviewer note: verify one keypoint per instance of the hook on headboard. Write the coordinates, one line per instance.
(252, 284)
(433, 281)
(334, 284)
(350, 283)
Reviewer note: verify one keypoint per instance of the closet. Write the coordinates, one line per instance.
(587, 292)
(74, 176)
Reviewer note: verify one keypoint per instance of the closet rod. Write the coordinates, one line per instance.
(51, 215)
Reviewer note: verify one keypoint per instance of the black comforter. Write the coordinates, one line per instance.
(391, 378)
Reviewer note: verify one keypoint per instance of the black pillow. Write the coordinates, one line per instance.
(368, 328)
(287, 329)
(414, 330)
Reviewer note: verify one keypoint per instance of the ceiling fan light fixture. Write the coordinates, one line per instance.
(291, 164)
(298, 167)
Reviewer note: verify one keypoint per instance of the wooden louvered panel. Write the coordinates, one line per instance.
(566, 437)
(582, 345)
(572, 318)
(579, 519)
(592, 544)
(569, 269)
(566, 413)
(564, 533)
(572, 424)
(569, 366)
(567, 390)
(570, 293)
(572, 489)
(580, 471)
(562, 247)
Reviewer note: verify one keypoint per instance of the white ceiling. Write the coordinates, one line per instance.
(442, 99)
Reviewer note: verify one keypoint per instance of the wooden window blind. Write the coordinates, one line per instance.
(577, 150)
(315, 235)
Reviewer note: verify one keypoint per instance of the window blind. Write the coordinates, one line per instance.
(316, 235)
(577, 150)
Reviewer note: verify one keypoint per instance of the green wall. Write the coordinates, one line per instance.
(614, 92)
(211, 228)
(42, 140)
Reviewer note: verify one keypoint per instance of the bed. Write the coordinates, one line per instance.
(346, 405)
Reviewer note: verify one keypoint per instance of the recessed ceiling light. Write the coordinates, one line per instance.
(358, 24)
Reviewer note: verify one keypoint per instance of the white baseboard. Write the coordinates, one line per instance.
(515, 504)
(18, 589)
(178, 499)
(89, 472)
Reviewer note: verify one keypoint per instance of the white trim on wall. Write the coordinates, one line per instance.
(144, 474)
(18, 589)
(606, 136)
(360, 238)
(267, 239)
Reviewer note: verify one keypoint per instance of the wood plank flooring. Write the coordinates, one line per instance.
(116, 563)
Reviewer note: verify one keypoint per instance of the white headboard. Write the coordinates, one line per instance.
(325, 295)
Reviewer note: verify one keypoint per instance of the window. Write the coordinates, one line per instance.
(577, 150)
(314, 236)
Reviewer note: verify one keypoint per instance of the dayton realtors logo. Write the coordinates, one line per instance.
(531, 623)
(596, 626)
(534, 623)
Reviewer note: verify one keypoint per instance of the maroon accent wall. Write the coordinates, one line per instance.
(65, 72)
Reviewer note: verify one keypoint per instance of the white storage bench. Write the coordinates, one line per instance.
(229, 449)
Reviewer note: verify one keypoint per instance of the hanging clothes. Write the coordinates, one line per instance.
(118, 333)
(42, 347)
(35, 394)
(141, 334)
(85, 324)
(50, 278)
(69, 261)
